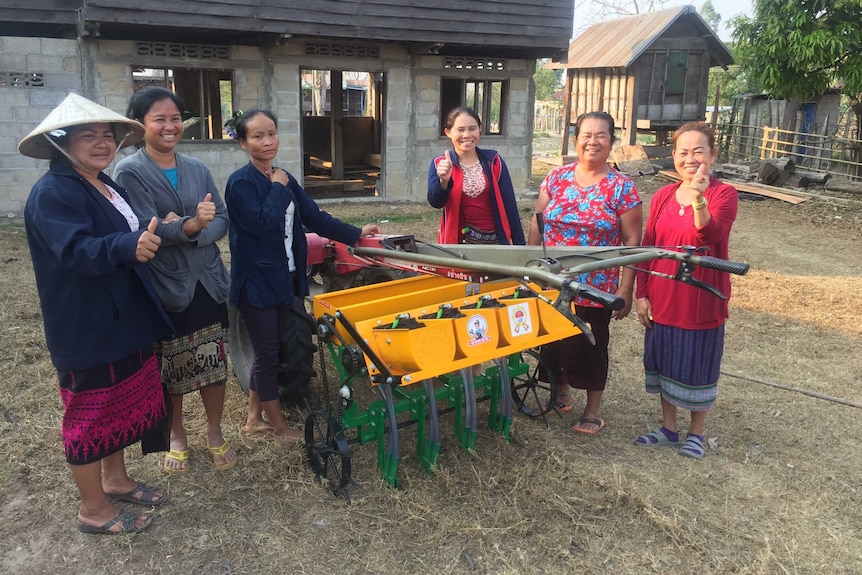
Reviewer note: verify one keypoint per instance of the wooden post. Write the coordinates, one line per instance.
(715, 104)
(567, 113)
(630, 131)
(336, 100)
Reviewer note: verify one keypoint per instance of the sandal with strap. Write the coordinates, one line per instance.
(219, 452)
(141, 494)
(693, 447)
(125, 519)
(181, 456)
(655, 438)
(564, 400)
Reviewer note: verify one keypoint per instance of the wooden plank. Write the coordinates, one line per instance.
(758, 189)
(631, 160)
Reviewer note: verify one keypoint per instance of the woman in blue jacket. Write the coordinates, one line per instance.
(100, 310)
(268, 209)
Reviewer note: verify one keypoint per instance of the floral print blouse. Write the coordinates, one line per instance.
(588, 216)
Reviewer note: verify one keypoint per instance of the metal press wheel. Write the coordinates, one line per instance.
(533, 397)
(328, 452)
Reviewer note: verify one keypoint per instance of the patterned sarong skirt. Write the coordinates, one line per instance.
(110, 407)
(684, 365)
(196, 357)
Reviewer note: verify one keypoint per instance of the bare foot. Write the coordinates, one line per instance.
(177, 458)
(256, 427)
(290, 438)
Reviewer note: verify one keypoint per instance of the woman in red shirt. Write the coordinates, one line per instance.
(473, 187)
(684, 324)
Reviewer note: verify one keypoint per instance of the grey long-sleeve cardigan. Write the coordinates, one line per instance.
(182, 261)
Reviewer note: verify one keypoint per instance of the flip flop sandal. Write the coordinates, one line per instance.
(693, 447)
(562, 407)
(598, 422)
(220, 452)
(655, 438)
(180, 456)
(146, 495)
(125, 519)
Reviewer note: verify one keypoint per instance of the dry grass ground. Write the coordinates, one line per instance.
(779, 491)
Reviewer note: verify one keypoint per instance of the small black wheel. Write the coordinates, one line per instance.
(328, 452)
(532, 396)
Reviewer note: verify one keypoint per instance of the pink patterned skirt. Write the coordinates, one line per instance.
(110, 407)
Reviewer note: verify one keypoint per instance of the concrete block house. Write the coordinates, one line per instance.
(361, 87)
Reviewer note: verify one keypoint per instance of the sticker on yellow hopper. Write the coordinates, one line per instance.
(520, 319)
(477, 329)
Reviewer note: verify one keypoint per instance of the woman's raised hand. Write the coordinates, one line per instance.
(699, 181)
(277, 175)
(148, 242)
(444, 169)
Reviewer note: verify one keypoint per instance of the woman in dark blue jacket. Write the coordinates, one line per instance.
(100, 310)
(268, 209)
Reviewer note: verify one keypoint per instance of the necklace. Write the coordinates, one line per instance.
(681, 210)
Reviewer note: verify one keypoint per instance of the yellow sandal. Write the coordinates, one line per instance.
(181, 456)
(220, 452)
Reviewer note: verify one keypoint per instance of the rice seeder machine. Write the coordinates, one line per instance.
(430, 330)
(465, 326)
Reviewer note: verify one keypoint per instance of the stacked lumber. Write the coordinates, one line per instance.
(790, 196)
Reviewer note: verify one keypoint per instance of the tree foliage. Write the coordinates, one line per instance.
(710, 15)
(799, 48)
(547, 81)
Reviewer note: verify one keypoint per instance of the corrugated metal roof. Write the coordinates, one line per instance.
(618, 43)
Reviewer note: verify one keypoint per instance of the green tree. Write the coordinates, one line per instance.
(799, 48)
(547, 81)
(709, 14)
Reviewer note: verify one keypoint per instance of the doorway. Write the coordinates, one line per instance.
(342, 113)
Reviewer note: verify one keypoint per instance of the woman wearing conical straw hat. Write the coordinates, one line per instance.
(100, 311)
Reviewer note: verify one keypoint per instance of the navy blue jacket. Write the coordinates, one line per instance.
(98, 303)
(258, 260)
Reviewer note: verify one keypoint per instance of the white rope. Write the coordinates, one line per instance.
(794, 389)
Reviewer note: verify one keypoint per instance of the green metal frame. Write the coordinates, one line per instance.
(371, 423)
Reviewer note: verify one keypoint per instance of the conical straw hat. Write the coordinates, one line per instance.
(75, 111)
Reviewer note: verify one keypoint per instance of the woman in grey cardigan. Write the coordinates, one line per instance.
(188, 272)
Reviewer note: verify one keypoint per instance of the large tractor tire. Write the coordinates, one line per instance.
(365, 276)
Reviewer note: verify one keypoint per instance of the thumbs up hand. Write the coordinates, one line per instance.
(148, 242)
(444, 169)
(205, 213)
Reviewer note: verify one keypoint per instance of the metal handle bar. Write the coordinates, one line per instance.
(609, 301)
(738, 268)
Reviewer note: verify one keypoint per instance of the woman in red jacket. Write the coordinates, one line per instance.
(684, 324)
(473, 187)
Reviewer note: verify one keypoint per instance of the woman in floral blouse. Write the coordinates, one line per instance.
(589, 204)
